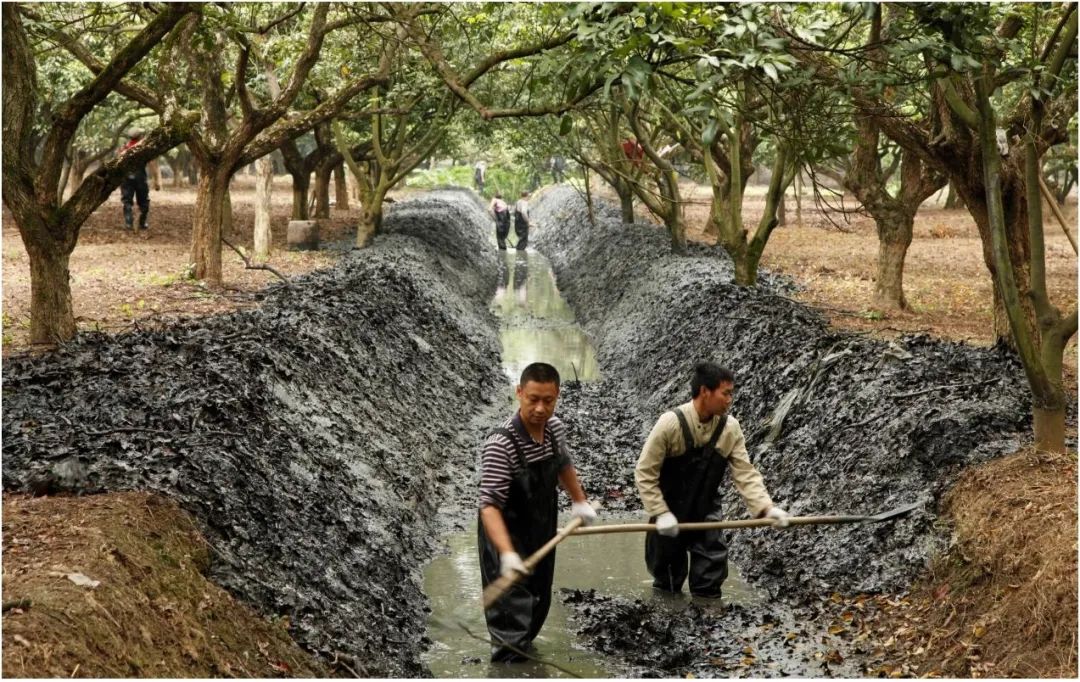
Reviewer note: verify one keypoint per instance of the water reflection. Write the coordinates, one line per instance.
(537, 324)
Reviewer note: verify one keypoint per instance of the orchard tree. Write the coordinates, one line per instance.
(890, 182)
(33, 162)
(998, 86)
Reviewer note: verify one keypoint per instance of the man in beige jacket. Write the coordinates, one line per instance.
(678, 477)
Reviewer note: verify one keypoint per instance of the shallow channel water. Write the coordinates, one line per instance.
(538, 325)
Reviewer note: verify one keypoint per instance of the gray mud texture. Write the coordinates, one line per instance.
(725, 640)
(312, 437)
(837, 423)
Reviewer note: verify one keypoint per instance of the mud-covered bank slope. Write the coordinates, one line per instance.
(309, 437)
(836, 422)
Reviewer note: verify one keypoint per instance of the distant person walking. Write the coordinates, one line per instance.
(558, 168)
(479, 176)
(135, 188)
(521, 221)
(501, 211)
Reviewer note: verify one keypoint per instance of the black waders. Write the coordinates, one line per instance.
(690, 484)
(521, 229)
(531, 516)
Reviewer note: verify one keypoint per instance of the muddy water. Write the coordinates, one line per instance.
(537, 324)
(611, 564)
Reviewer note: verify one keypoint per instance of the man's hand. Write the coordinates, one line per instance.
(667, 524)
(779, 516)
(584, 511)
(510, 564)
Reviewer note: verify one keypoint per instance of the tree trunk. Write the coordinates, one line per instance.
(192, 172)
(972, 193)
(952, 199)
(300, 184)
(51, 315)
(75, 177)
(322, 190)
(207, 229)
(798, 199)
(155, 169)
(341, 189)
(226, 214)
(626, 202)
(588, 194)
(177, 167)
(781, 210)
(894, 238)
(263, 184)
(371, 215)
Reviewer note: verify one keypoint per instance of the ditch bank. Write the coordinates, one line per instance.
(836, 422)
(310, 438)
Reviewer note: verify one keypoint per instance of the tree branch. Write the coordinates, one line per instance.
(66, 120)
(248, 265)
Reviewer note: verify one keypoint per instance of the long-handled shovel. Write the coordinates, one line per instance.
(503, 583)
(745, 523)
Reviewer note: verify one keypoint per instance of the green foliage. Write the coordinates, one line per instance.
(454, 176)
(509, 180)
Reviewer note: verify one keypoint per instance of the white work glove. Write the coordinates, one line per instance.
(510, 564)
(667, 524)
(778, 515)
(584, 511)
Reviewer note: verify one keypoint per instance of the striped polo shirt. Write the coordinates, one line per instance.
(499, 462)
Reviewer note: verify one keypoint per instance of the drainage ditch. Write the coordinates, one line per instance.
(326, 442)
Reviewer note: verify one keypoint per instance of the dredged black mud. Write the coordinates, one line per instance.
(311, 437)
(836, 422)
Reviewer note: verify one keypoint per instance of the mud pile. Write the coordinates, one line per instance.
(311, 437)
(837, 423)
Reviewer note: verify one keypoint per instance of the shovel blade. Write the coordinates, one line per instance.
(895, 513)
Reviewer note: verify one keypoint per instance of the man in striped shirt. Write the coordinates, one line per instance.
(522, 462)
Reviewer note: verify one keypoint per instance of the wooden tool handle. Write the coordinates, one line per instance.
(501, 584)
(716, 525)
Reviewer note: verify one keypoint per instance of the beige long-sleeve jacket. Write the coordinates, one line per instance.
(666, 440)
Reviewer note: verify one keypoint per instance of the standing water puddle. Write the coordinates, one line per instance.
(538, 325)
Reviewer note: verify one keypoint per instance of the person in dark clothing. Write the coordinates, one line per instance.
(521, 221)
(558, 168)
(678, 476)
(522, 462)
(135, 188)
(501, 212)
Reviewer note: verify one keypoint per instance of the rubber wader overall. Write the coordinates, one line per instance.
(531, 518)
(502, 227)
(521, 230)
(690, 484)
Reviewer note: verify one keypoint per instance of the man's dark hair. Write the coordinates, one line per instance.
(540, 372)
(710, 375)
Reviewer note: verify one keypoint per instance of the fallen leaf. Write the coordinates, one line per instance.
(83, 581)
(19, 639)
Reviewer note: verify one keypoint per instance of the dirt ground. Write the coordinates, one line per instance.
(120, 280)
(113, 586)
(1002, 601)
